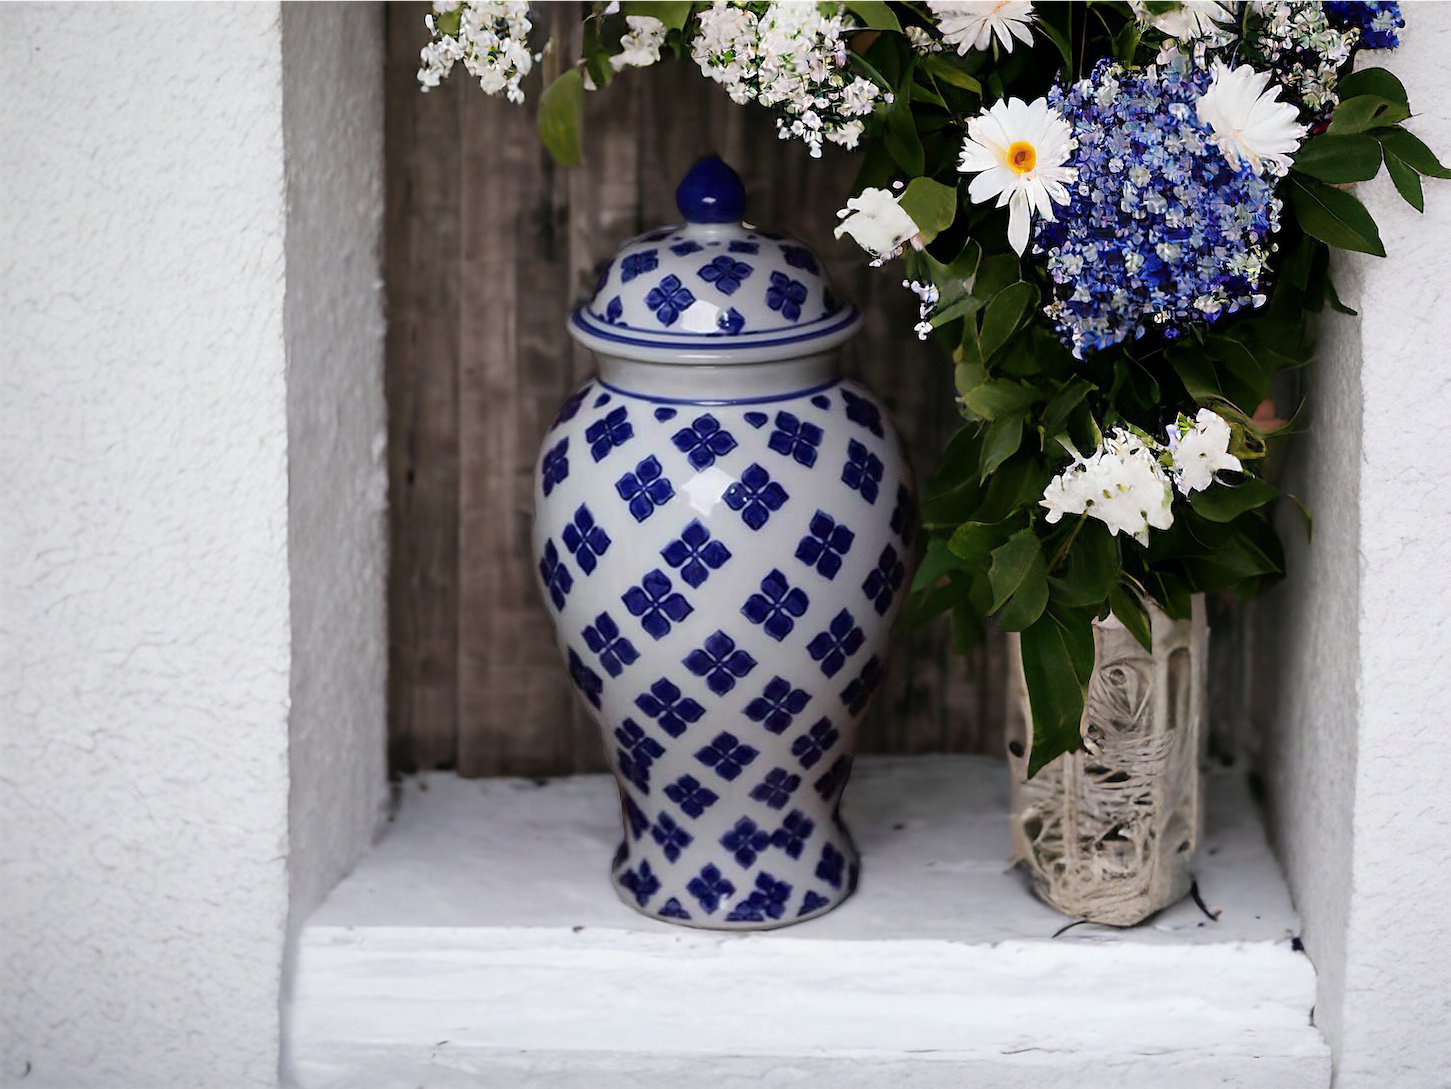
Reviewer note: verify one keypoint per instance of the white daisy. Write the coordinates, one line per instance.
(1190, 19)
(970, 24)
(1017, 150)
(1250, 123)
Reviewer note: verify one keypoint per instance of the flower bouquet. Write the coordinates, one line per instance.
(1117, 219)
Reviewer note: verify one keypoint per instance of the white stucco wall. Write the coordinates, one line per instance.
(332, 78)
(190, 541)
(1360, 771)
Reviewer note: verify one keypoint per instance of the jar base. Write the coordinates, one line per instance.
(716, 923)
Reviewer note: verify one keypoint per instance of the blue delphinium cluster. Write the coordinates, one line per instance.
(1162, 233)
(1379, 23)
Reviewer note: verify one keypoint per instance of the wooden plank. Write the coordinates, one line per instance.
(422, 140)
(514, 247)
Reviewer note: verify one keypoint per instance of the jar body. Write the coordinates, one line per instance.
(723, 556)
(1109, 834)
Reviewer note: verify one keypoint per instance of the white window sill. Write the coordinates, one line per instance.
(480, 943)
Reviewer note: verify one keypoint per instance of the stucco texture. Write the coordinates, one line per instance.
(190, 407)
(1358, 762)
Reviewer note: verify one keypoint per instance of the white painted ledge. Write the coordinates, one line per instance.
(480, 943)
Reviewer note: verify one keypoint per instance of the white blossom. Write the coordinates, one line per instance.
(1200, 448)
(971, 24)
(927, 297)
(1189, 19)
(877, 223)
(1121, 484)
(790, 58)
(640, 45)
(1018, 150)
(491, 40)
(1250, 123)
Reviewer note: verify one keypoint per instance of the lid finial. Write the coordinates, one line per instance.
(711, 192)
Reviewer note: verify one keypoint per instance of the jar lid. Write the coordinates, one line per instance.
(715, 289)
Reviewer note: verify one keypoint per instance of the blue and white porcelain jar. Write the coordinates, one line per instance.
(723, 531)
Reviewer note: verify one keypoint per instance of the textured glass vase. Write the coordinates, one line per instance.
(723, 531)
(1109, 834)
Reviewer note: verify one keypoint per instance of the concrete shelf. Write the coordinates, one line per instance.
(480, 943)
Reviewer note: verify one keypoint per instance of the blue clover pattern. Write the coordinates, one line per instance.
(815, 743)
(555, 576)
(719, 662)
(637, 264)
(766, 901)
(689, 246)
(744, 247)
(825, 545)
(673, 711)
(586, 540)
(709, 888)
(656, 604)
(636, 753)
(885, 580)
(800, 257)
(838, 643)
(786, 295)
(726, 633)
(862, 471)
(861, 411)
(777, 606)
(695, 553)
(795, 830)
(730, 321)
(669, 299)
(756, 496)
(644, 489)
(692, 797)
(611, 430)
(745, 841)
(795, 439)
(726, 273)
(703, 441)
(615, 652)
(570, 409)
(554, 469)
(727, 756)
(614, 311)
(778, 705)
(776, 789)
(671, 837)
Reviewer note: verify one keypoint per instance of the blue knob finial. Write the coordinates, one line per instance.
(711, 192)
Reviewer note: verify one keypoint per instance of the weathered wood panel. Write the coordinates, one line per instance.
(489, 245)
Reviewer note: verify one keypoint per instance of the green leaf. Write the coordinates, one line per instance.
(448, 22)
(1409, 148)
(874, 15)
(1365, 112)
(1055, 694)
(1093, 567)
(1055, 416)
(1013, 562)
(999, 398)
(1129, 609)
(669, 12)
(1407, 183)
(561, 112)
(901, 138)
(1060, 37)
(1003, 316)
(948, 72)
(937, 562)
(932, 205)
(1339, 159)
(1016, 563)
(1197, 373)
(1226, 502)
(1334, 216)
(1004, 437)
(972, 542)
(1373, 81)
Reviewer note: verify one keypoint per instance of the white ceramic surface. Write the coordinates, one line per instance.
(723, 547)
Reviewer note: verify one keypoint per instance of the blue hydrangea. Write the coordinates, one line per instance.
(1379, 23)
(1161, 232)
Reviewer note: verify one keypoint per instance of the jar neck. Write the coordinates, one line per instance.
(719, 382)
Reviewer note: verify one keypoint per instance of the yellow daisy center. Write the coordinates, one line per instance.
(1021, 157)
